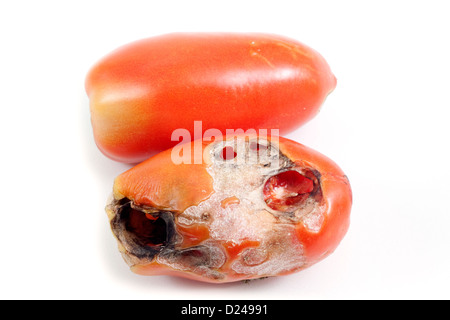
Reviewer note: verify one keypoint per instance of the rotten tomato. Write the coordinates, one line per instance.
(254, 207)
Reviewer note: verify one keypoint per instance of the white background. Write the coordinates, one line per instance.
(386, 125)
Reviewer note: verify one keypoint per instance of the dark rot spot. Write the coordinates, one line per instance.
(228, 153)
(149, 230)
(143, 234)
(198, 256)
(287, 191)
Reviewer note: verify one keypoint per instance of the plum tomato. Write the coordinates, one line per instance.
(141, 92)
(274, 207)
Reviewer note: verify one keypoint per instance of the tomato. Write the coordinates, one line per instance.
(272, 208)
(141, 92)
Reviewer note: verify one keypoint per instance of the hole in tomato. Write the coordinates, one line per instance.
(149, 230)
(287, 191)
(228, 153)
(143, 234)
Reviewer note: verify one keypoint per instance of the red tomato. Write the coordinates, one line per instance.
(141, 92)
(266, 211)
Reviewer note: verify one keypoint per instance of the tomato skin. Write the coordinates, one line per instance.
(141, 92)
(158, 183)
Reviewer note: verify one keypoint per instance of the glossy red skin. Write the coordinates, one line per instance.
(141, 92)
(159, 183)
